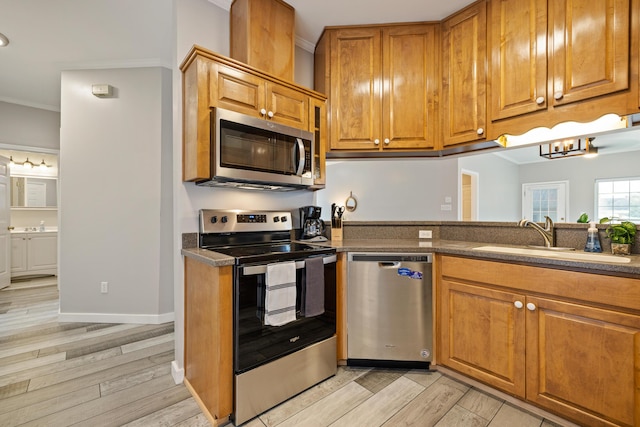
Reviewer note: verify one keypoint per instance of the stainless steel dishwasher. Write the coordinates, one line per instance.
(389, 310)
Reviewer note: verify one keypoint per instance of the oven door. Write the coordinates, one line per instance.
(256, 343)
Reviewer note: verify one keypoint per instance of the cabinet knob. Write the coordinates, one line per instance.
(518, 304)
(376, 141)
(270, 114)
(540, 100)
(11, 227)
(531, 306)
(480, 131)
(386, 141)
(558, 95)
(263, 112)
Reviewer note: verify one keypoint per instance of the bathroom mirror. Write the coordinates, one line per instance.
(34, 192)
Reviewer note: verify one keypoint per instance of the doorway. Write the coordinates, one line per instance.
(34, 204)
(468, 196)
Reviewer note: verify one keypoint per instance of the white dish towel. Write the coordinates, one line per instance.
(280, 295)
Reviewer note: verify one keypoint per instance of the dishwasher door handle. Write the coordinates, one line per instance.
(389, 265)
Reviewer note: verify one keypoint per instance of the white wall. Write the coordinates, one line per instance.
(498, 187)
(29, 127)
(582, 174)
(392, 189)
(116, 211)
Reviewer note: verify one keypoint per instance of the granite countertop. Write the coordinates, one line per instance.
(452, 247)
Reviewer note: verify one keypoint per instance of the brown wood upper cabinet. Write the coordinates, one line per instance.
(246, 93)
(263, 35)
(549, 56)
(381, 84)
(464, 77)
(566, 341)
(211, 80)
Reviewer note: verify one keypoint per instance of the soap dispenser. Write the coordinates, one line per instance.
(593, 240)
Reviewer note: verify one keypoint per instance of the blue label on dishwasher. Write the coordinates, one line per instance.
(403, 271)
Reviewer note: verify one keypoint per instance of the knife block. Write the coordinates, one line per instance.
(336, 229)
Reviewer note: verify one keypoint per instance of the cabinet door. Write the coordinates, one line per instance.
(356, 105)
(483, 335)
(518, 60)
(18, 253)
(584, 362)
(287, 106)
(42, 251)
(409, 58)
(464, 58)
(590, 46)
(236, 90)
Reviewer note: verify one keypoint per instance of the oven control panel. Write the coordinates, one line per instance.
(230, 221)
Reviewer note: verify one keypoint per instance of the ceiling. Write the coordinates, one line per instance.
(86, 34)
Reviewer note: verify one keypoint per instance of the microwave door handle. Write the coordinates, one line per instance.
(300, 157)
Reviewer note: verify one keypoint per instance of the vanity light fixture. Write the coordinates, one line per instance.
(568, 148)
(3, 40)
(27, 164)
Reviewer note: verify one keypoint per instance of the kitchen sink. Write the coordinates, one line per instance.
(561, 254)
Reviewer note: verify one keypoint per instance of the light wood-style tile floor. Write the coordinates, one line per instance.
(88, 374)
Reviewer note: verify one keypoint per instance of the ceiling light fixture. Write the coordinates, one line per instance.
(3, 40)
(43, 165)
(11, 162)
(568, 148)
(27, 164)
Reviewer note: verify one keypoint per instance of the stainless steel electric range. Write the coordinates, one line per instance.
(284, 306)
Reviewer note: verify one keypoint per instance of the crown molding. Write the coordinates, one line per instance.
(223, 4)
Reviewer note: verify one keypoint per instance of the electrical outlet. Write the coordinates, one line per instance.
(104, 287)
(445, 207)
(425, 234)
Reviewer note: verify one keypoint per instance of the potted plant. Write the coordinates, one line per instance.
(622, 236)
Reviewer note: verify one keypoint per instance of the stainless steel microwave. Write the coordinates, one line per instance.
(249, 152)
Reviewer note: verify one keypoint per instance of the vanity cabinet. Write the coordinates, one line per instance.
(557, 60)
(382, 86)
(211, 80)
(464, 76)
(34, 253)
(565, 341)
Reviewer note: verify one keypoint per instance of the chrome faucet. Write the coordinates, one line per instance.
(547, 232)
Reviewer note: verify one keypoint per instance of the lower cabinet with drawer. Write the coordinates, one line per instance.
(566, 341)
(34, 253)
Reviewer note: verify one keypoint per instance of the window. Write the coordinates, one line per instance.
(542, 199)
(619, 199)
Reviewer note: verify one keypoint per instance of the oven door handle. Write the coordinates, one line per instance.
(253, 270)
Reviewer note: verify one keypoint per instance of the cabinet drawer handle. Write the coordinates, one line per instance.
(540, 100)
(386, 141)
(270, 114)
(531, 306)
(263, 112)
(518, 304)
(376, 141)
(480, 131)
(558, 95)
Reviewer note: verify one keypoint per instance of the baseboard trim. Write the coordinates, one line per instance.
(177, 372)
(144, 319)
